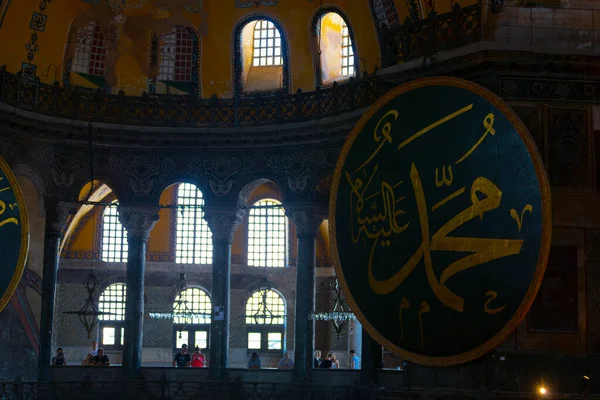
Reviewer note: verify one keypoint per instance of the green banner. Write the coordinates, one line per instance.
(14, 234)
(440, 221)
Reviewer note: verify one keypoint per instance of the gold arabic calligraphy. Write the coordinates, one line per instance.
(379, 227)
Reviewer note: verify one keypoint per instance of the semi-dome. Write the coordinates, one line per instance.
(199, 48)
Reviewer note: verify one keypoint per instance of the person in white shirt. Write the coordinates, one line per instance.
(286, 362)
(94, 351)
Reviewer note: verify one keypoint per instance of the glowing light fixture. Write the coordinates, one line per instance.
(542, 390)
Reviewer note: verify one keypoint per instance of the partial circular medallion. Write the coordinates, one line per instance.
(440, 221)
(14, 234)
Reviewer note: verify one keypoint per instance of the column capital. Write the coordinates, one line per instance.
(138, 220)
(306, 216)
(57, 214)
(223, 221)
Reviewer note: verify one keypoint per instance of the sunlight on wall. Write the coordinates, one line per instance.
(257, 78)
(330, 38)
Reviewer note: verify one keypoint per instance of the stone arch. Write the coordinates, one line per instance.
(236, 48)
(314, 39)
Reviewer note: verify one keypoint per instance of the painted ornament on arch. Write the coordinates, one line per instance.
(440, 221)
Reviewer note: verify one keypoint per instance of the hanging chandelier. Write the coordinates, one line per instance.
(340, 314)
(89, 313)
(182, 314)
(264, 315)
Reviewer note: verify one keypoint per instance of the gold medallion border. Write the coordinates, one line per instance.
(12, 286)
(493, 342)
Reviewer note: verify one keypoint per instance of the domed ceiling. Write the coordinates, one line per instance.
(139, 46)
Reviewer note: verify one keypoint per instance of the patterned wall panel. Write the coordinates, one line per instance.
(568, 147)
(555, 307)
(531, 115)
(68, 330)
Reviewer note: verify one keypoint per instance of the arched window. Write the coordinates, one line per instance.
(194, 238)
(265, 319)
(385, 13)
(266, 45)
(114, 236)
(90, 51)
(178, 63)
(336, 52)
(191, 318)
(112, 301)
(267, 234)
(260, 55)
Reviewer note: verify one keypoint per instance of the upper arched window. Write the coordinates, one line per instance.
(112, 303)
(266, 45)
(177, 63)
(191, 318)
(267, 234)
(114, 236)
(194, 238)
(90, 51)
(336, 51)
(385, 13)
(265, 317)
(260, 56)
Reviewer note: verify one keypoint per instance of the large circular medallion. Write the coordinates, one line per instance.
(14, 234)
(440, 221)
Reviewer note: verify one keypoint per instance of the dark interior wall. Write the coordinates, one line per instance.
(17, 356)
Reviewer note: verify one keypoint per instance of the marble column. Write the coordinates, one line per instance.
(307, 218)
(223, 221)
(372, 359)
(355, 338)
(57, 214)
(138, 220)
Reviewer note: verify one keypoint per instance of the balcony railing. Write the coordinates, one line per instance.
(426, 37)
(189, 111)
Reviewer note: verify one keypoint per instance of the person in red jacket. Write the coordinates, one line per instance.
(198, 360)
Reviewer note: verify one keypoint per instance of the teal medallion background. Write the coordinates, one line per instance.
(14, 234)
(441, 221)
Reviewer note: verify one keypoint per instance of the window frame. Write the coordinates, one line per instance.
(265, 329)
(191, 328)
(118, 323)
(87, 53)
(315, 30)
(201, 231)
(270, 28)
(124, 244)
(267, 246)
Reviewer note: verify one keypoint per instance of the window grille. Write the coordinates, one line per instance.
(114, 237)
(385, 12)
(192, 300)
(194, 238)
(112, 301)
(176, 56)
(267, 45)
(267, 235)
(90, 51)
(347, 52)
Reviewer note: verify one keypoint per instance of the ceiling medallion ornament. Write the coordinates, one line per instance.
(255, 3)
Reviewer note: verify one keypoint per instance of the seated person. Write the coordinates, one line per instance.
(254, 361)
(327, 362)
(89, 360)
(286, 362)
(60, 358)
(182, 359)
(101, 359)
